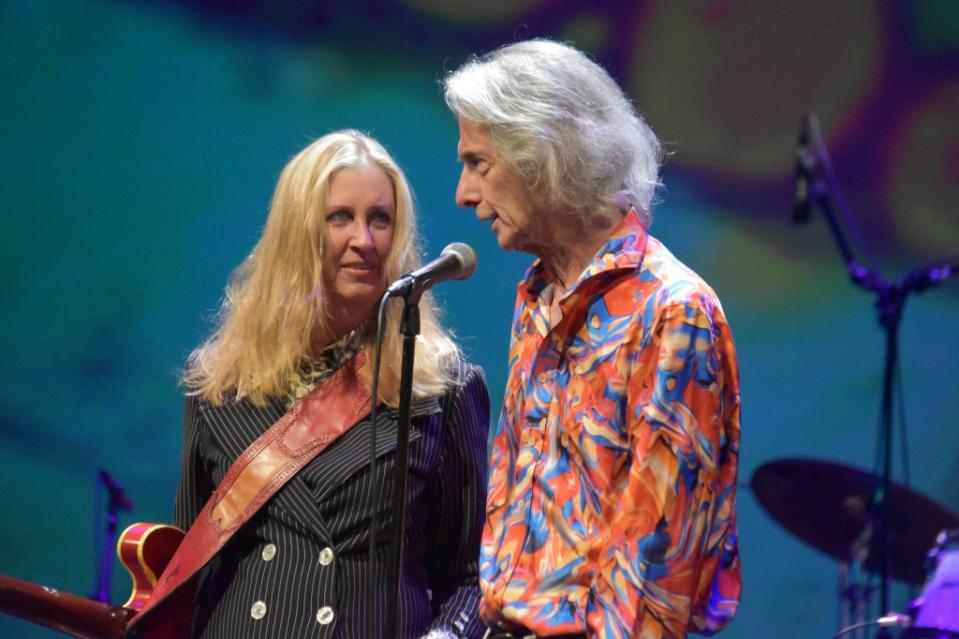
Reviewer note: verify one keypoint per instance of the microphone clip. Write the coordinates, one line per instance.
(401, 287)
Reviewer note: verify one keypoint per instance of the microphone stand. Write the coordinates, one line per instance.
(457, 261)
(117, 502)
(891, 299)
(410, 328)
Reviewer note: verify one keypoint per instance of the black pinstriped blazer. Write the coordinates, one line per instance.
(299, 567)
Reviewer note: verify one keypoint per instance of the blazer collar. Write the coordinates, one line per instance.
(330, 469)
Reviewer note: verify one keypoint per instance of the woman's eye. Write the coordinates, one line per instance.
(381, 218)
(339, 216)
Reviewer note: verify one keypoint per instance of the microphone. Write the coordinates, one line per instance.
(805, 165)
(456, 262)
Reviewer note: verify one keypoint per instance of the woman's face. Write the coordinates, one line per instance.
(360, 217)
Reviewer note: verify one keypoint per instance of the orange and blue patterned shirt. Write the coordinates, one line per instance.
(612, 481)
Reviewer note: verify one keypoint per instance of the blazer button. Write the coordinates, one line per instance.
(326, 556)
(258, 610)
(324, 615)
(269, 552)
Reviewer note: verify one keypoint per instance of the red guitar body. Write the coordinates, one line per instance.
(144, 550)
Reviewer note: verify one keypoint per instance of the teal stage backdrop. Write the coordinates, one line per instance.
(141, 141)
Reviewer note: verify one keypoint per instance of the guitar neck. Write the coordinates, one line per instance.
(61, 611)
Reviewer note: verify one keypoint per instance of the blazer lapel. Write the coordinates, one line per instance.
(349, 454)
(299, 502)
(237, 425)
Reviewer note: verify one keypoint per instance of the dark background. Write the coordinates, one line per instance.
(141, 142)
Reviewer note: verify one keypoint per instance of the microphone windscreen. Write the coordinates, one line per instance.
(466, 256)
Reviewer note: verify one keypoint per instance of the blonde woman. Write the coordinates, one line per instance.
(341, 227)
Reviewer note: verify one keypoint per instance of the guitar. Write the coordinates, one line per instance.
(148, 550)
(143, 549)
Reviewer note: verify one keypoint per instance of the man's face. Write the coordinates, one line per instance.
(495, 192)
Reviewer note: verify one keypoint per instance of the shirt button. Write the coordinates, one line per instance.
(326, 556)
(269, 552)
(324, 615)
(258, 610)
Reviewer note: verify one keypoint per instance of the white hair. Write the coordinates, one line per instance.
(562, 124)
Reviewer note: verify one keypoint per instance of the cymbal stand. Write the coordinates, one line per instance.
(816, 184)
(855, 591)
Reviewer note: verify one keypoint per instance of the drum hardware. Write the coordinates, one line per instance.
(935, 613)
(855, 589)
(831, 507)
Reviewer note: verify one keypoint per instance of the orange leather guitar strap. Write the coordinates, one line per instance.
(296, 438)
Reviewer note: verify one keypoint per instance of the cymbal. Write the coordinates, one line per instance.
(827, 505)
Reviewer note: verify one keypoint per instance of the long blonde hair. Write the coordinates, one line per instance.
(274, 308)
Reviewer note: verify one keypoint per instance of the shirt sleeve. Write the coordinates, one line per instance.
(453, 555)
(671, 564)
(195, 486)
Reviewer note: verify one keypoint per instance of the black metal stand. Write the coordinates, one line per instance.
(410, 328)
(891, 299)
(117, 502)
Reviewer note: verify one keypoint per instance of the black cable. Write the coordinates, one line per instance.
(899, 402)
(904, 445)
(371, 552)
(878, 456)
(903, 440)
(855, 626)
(891, 620)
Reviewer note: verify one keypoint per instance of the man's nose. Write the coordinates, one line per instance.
(467, 191)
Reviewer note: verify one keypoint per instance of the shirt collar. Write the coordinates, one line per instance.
(313, 371)
(623, 250)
